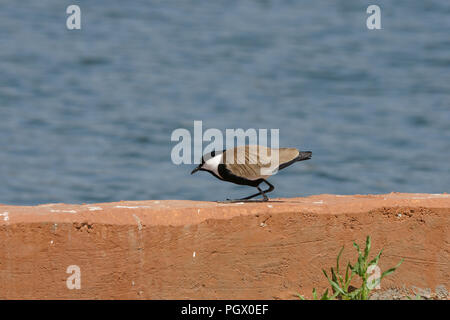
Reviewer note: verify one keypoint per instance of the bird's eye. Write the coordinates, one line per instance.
(213, 153)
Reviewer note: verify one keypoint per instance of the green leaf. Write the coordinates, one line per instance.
(349, 266)
(357, 248)
(367, 249)
(348, 278)
(376, 259)
(333, 296)
(333, 275)
(325, 295)
(341, 282)
(361, 268)
(355, 268)
(389, 271)
(334, 285)
(337, 259)
(355, 295)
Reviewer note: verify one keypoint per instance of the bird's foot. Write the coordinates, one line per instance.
(244, 200)
(231, 201)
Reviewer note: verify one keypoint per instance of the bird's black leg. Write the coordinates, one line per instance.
(261, 192)
(271, 187)
(256, 194)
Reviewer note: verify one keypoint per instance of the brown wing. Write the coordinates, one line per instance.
(256, 162)
(288, 154)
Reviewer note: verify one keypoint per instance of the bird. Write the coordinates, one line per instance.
(250, 165)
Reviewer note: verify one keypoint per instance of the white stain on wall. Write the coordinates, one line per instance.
(5, 216)
(132, 207)
(65, 211)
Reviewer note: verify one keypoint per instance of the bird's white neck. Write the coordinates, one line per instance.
(213, 164)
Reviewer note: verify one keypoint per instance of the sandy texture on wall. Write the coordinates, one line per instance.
(206, 250)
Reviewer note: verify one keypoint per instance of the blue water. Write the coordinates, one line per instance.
(87, 116)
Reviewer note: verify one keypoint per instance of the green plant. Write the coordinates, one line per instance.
(417, 297)
(340, 285)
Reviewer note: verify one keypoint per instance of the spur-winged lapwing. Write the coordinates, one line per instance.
(250, 165)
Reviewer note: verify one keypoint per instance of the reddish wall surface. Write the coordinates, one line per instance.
(207, 250)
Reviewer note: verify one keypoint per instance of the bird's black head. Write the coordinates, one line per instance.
(205, 158)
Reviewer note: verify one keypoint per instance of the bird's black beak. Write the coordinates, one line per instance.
(195, 170)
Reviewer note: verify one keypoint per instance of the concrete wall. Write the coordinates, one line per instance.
(207, 250)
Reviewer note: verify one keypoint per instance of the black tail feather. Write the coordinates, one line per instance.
(304, 155)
